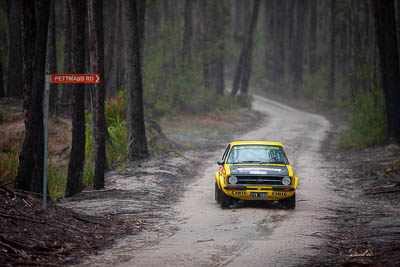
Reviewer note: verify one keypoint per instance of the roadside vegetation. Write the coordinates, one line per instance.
(194, 53)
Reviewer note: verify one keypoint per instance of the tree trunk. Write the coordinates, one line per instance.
(137, 143)
(114, 84)
(219, 57)
(204, 43)
(77, 157)
(298, 47)
(51, 58)
(2, 92)
(385, 30)
(356, 52)
(331, 85)
(28, 42)
(141, 15)
(95, 10)
(14, 82)
(248, 56)
(243, 69)
(313, 36)
(67, 88)
(187, 33)
(30, 169)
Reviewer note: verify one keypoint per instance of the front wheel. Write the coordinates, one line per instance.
(225, 199)
(290, 202)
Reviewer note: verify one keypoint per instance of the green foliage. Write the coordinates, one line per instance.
(117, 147)
(57, 180)
(9, 159)
(88, 171)
(367, 122)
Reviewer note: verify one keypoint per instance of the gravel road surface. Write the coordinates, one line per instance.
(252, 235)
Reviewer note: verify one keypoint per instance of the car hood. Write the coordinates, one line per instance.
(270, 170)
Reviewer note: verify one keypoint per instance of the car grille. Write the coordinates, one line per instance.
(259, 180)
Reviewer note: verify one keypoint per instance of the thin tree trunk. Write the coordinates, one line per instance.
(204, 45)
(95, 10)
(187, 33)
(242, 73)
(219, 28)
(30, 169)
(313, 36)
(331, 86)
(14, 82)
(77, 157)
(115, 82)
(298, 47)
(141, 15)
(248, 56)
(137, 143)
(51, 58)
(67, 88)
(385, 30)
(2, 92)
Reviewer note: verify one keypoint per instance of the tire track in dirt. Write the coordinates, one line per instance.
(253, 235)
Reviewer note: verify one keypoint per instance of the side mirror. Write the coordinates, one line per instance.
(220, 162)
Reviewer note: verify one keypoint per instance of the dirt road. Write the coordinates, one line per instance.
(252, 235)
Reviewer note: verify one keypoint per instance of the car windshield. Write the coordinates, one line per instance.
(257, 154)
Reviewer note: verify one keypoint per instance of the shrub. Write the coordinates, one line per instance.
(367, 122)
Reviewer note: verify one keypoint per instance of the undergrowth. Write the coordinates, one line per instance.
(367, 121)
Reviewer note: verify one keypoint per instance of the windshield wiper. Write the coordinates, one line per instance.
(248, 161)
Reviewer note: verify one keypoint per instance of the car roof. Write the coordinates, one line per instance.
(255, 142)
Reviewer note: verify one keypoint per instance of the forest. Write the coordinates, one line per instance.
(160, 58)
(133, 157)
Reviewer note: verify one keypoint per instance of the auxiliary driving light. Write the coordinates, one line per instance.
(286, 180)
(232, 179)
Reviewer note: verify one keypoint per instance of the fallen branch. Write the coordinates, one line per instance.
(207, 240)
(89, 221)
(19, 218)
(383, 192)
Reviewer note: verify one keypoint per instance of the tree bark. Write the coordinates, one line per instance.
(116, 72)
(2, 92)
(137, 143)
(51, 58)
(248, 56)
(298, 47)
(243, 69)
(77, 157)
(313, 36)
(187, 33)
(385, 30)
(28, 42)
(30, 169)
(67, 88)
(219, 57)
(205, 58)
(95, 10)
(331, 85)
(14, 82)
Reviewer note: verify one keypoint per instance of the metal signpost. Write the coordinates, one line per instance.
(58, 78)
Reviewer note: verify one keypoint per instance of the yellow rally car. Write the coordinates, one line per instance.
(255, 170)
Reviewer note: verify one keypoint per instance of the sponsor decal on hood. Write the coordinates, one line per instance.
(260, 170)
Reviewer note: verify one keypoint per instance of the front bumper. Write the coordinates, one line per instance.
(246, 192)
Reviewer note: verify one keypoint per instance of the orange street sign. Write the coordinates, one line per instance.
(75, 78)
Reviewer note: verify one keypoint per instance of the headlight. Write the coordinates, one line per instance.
(232, 179)
(286, 180)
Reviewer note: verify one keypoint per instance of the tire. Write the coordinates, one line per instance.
(290, 202)
(217, 194)
(225, 200)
